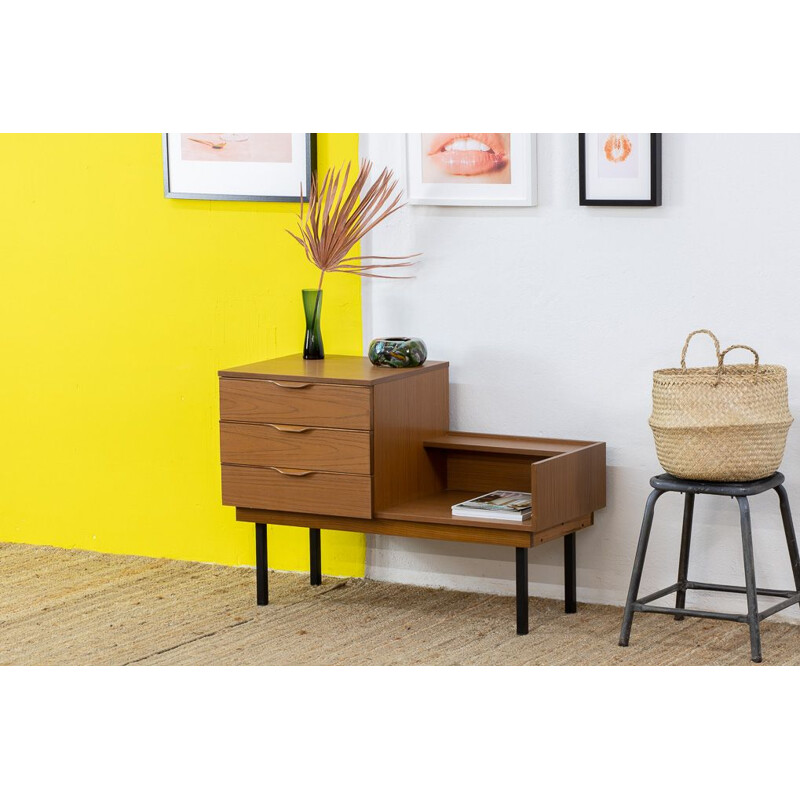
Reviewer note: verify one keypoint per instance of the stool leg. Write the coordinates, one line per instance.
(683, 561)
(638, 565)
(791, 540)
(750, 580)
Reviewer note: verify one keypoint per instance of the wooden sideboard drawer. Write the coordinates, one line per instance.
(295, 402)
(310, 492)
(298, 446)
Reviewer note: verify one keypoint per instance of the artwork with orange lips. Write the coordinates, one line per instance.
(618, 155)
(619, 169)
(466, 158)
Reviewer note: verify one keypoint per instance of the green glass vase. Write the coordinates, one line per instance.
(312, 306)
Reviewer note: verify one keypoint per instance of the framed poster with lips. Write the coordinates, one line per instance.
(619, 169)
(471, 169)
(259, 167)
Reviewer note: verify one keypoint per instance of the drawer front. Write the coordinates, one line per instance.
(293, 402)
(295, 446)
(312, 493)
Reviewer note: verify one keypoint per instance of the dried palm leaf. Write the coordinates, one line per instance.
(336, 218)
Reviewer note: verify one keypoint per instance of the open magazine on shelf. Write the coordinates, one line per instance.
(498, 504)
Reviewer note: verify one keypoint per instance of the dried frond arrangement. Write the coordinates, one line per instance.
(337, 218)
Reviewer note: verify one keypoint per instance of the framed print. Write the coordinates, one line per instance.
(471, 169)
(261, 167)
(620, 169)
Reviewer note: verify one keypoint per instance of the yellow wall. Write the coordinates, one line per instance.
(117, 307)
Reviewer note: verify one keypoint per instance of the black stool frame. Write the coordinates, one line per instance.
(741, 491)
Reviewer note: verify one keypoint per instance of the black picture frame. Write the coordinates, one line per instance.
(311, 166)
(655, 176)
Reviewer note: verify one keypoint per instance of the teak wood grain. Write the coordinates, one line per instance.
(313, 493)
(267, 445)
(404, 414)
(331, 369)
(392, 527)
(476, 534)
(568, 486)
(481, 472)
(315, 422)
(437, 508)
(568, 483)
(295, 402)
(511, 445)
(557, 531)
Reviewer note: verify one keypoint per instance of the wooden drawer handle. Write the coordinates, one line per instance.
(289, 385)
(288, 428)
(295, 473)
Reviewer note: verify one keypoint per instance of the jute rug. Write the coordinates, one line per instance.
(78, 608)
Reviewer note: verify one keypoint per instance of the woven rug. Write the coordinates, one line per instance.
(73, 607)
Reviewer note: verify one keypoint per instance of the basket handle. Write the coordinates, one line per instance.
(686, 347)
(737, 347)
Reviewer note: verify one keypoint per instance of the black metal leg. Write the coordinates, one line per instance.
(791, 539)
(750, 579)
(315, 549)
(262, 584)
(570, 575)
(638, 566)
(683, 561)
(522, 591)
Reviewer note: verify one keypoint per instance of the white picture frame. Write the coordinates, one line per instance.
(429, 157)
(255, 167)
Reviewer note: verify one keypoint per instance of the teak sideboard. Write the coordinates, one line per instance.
(343, 445)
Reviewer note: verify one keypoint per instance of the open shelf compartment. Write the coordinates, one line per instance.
(566, 478)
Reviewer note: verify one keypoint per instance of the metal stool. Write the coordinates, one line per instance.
(741, 491)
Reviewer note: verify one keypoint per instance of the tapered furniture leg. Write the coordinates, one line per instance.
(791, 539)
(522, 590)
(750, 579)
(262, 585)
(638, 566)
(570, 575)
(683, 560)
(315, 550)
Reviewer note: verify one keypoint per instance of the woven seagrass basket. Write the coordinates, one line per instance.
(722, 423)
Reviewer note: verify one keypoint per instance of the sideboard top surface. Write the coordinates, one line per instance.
(331, 369)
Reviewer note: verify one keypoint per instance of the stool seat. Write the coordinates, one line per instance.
(669, 483)
(741, 491)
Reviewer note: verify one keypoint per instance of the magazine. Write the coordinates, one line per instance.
(499, 504)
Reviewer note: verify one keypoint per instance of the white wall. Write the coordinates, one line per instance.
(553, 319)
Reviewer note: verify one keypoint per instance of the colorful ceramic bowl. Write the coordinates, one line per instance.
(397, 351)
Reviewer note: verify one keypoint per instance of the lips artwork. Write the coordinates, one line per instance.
(617, 147)
(466, 158)
(618, 155)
